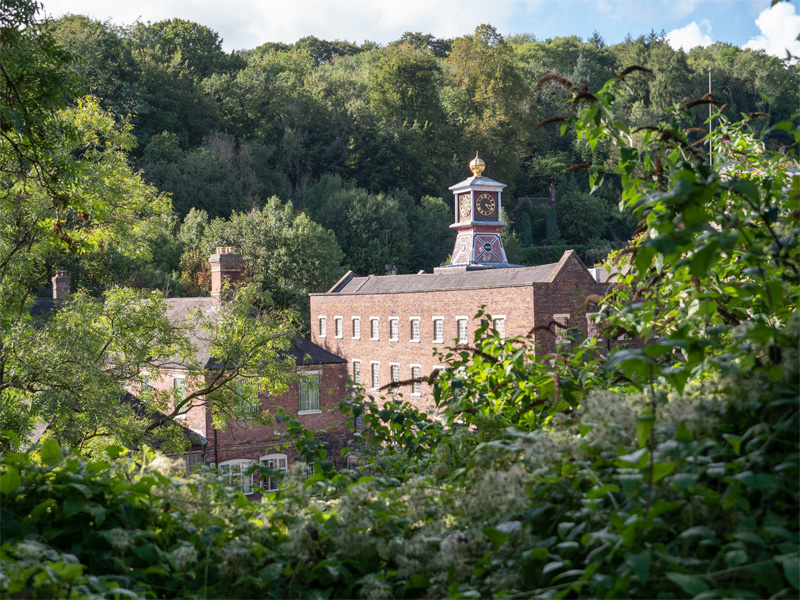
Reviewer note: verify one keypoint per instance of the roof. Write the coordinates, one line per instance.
(196, 440)
(307, 352)
(427, 282)
(304, 351)
(500, 277)
(476, 181)
(42, 306)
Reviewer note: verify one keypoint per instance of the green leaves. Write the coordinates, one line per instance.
(692, 585)
(644, 425)
(9, 481)
(640, 563)
(50, 452)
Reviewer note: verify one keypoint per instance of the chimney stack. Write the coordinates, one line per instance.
(60, 285)
(226, 269)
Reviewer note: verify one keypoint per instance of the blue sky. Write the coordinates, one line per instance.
(248, 23)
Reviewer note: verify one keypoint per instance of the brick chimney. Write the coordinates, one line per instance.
(226, 268)
(60, 285)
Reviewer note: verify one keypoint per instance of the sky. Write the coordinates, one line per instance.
(249, 23)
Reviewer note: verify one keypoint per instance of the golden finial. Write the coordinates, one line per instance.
(477, 166)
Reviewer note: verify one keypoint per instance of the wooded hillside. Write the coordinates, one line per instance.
(365, 139)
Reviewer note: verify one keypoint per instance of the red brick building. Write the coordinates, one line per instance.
(388, 328)
(322, 383)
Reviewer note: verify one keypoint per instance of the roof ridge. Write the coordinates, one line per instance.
(366, 279)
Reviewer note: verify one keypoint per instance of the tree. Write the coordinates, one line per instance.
(485, 99)
(371, 229)
(431, 237)
(406, 84)
(221, 176)
(288, 254)
(104, 62)
(70, 196)
(177, 40)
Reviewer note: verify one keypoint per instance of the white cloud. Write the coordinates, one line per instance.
(691, 35)
(779, 26)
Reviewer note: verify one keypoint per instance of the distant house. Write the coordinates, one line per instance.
(322, 383)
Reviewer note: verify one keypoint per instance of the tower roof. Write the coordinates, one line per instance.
(475, 181)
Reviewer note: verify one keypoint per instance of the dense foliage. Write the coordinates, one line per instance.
(69, 198)
(667, 467)
(374, 130)
(658, 459)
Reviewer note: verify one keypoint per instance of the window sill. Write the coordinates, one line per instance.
(309, 412)
(356, 338)
(416, 395)
(414, 341)
(181, 417)
(337, 337)
(394, 340)
(438, 341)
(374, 339)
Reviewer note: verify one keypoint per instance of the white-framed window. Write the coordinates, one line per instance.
(179, 395)
(461, 330)
(499, 325)
(323, 326)
(374, 328)
(592, 328)
(394, 329)
(359, 428)
(376, 374)
(561, 328)
(438, 329)
(394, 374)
(356, 321)
(276, 462)
(235, 474)
(337, 327)
(416, 385)
(308, 392)
(246, 403)
(357, 371)
(414, 328)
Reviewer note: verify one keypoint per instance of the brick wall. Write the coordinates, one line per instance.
(566, 295)
(240, 440)
(523, 307)
(514, 303)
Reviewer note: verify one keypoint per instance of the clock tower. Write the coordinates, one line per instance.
(478, 200)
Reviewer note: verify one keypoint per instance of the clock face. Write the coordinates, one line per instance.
(465, 205)
(485, 204)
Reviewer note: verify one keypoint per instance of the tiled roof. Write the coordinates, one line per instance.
(427, 282)
(476, 181)
(304, 351)
(307, 352)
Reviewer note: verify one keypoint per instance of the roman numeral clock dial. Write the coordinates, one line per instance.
(465, 205)
(485, 204)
